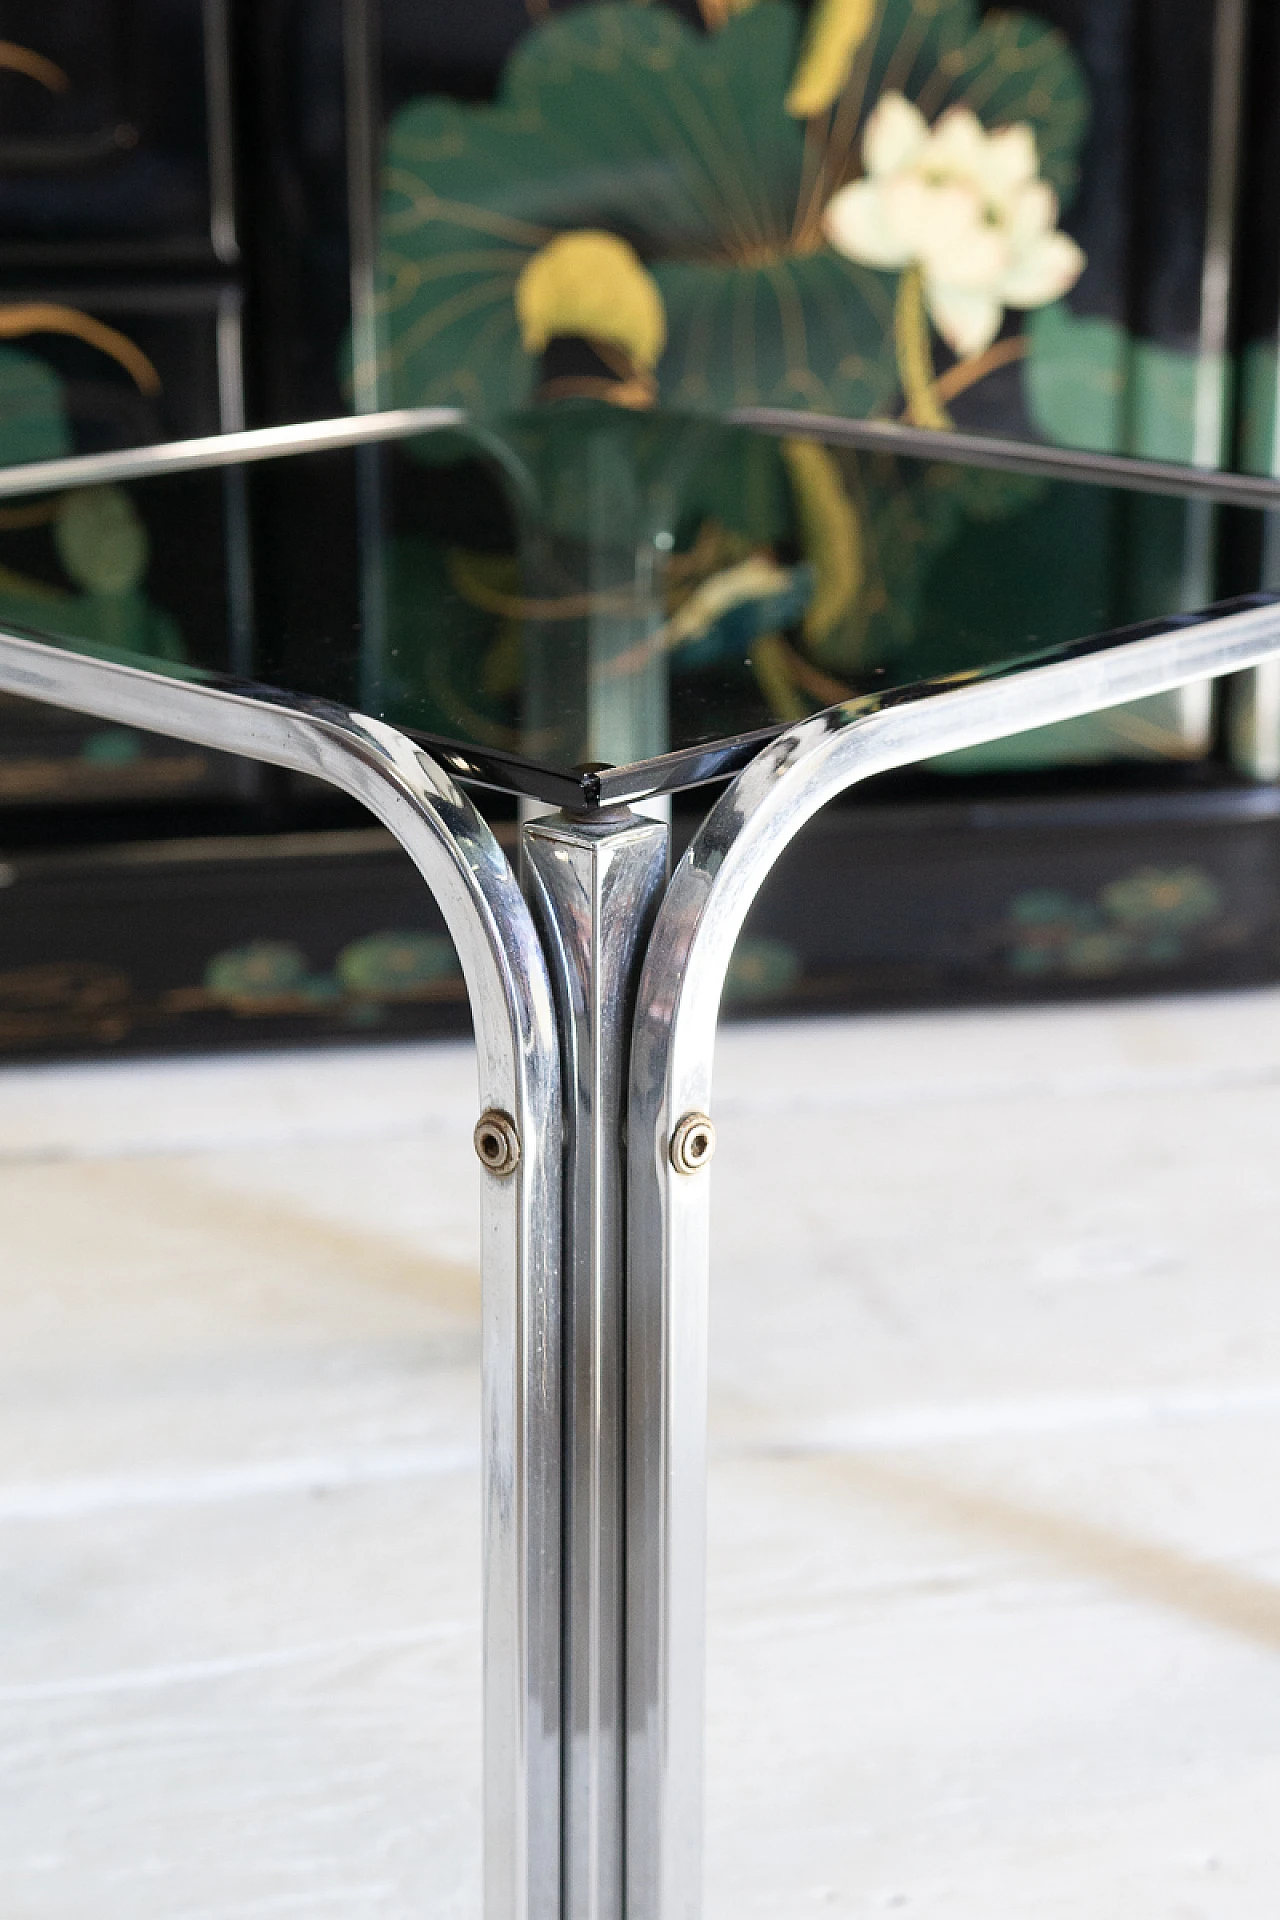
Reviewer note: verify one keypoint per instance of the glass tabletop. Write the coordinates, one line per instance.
(585, 602)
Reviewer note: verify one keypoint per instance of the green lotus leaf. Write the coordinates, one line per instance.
(812, 331)
(613, 477)
(438, 687)
(1257, 407)
(613, 118)
(102, 545)
(741, 536)
(912, 518)
(124, 627)
(112, 747)
(262, 970)
(1090, 383)
(680, 140)
(101, 540)
(623, 119)
(116, 626)
(33, 420)
(587, 471)
(762, 970)
(1050, 907)
(396, 966)
(1094, 955)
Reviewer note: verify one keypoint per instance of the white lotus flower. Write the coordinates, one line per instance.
(964, 206)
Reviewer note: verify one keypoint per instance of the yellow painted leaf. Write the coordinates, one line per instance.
(831, 533)
(769, 664)
(591, 284)
(837, 28)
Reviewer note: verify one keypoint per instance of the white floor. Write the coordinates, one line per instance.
(995, 1571)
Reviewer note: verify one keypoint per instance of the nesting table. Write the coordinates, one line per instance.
(581, 611)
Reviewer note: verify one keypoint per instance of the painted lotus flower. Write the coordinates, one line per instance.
(965, 208)
(396, 966)
(1162, 898)
(639, 218)
(1142, 920)
(713, 158)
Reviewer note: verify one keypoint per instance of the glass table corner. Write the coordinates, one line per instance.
(587, 609)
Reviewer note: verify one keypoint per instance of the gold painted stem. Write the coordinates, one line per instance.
(769, 663)
(17, 59)
(44, 316)
(967, 373)
(915, 354)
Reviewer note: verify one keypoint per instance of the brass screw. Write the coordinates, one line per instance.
(692, 1143)
(497, 1142)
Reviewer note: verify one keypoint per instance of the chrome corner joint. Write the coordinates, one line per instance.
(594, 884)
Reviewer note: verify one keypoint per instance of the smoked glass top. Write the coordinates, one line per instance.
(582, 590)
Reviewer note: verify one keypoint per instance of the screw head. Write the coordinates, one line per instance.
(497, 1142)
(692, 1143)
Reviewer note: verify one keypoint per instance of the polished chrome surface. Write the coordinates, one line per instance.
(362, 65)
(1015, 456)
(219, 117)
(553, 991)
(226, 450)
(594, 886)
(875, 436)
(689, 953)
(1229, 63)
(519, 1073)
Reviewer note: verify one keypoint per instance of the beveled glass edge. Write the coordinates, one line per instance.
(599, 786)
(254, 444)
(1124, 471)
(589, 789)
(225, 449)
(1109, 640)
(696, 765)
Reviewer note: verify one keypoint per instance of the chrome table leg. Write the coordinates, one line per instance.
(519, 1143)
(667, 1202)
(594, 885)
(563, 991)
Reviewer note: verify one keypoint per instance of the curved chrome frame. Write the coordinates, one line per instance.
(532, 1023)
(680, 990)
(877, 436)
(594, 885)
(223, 450)
(519, 1071)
